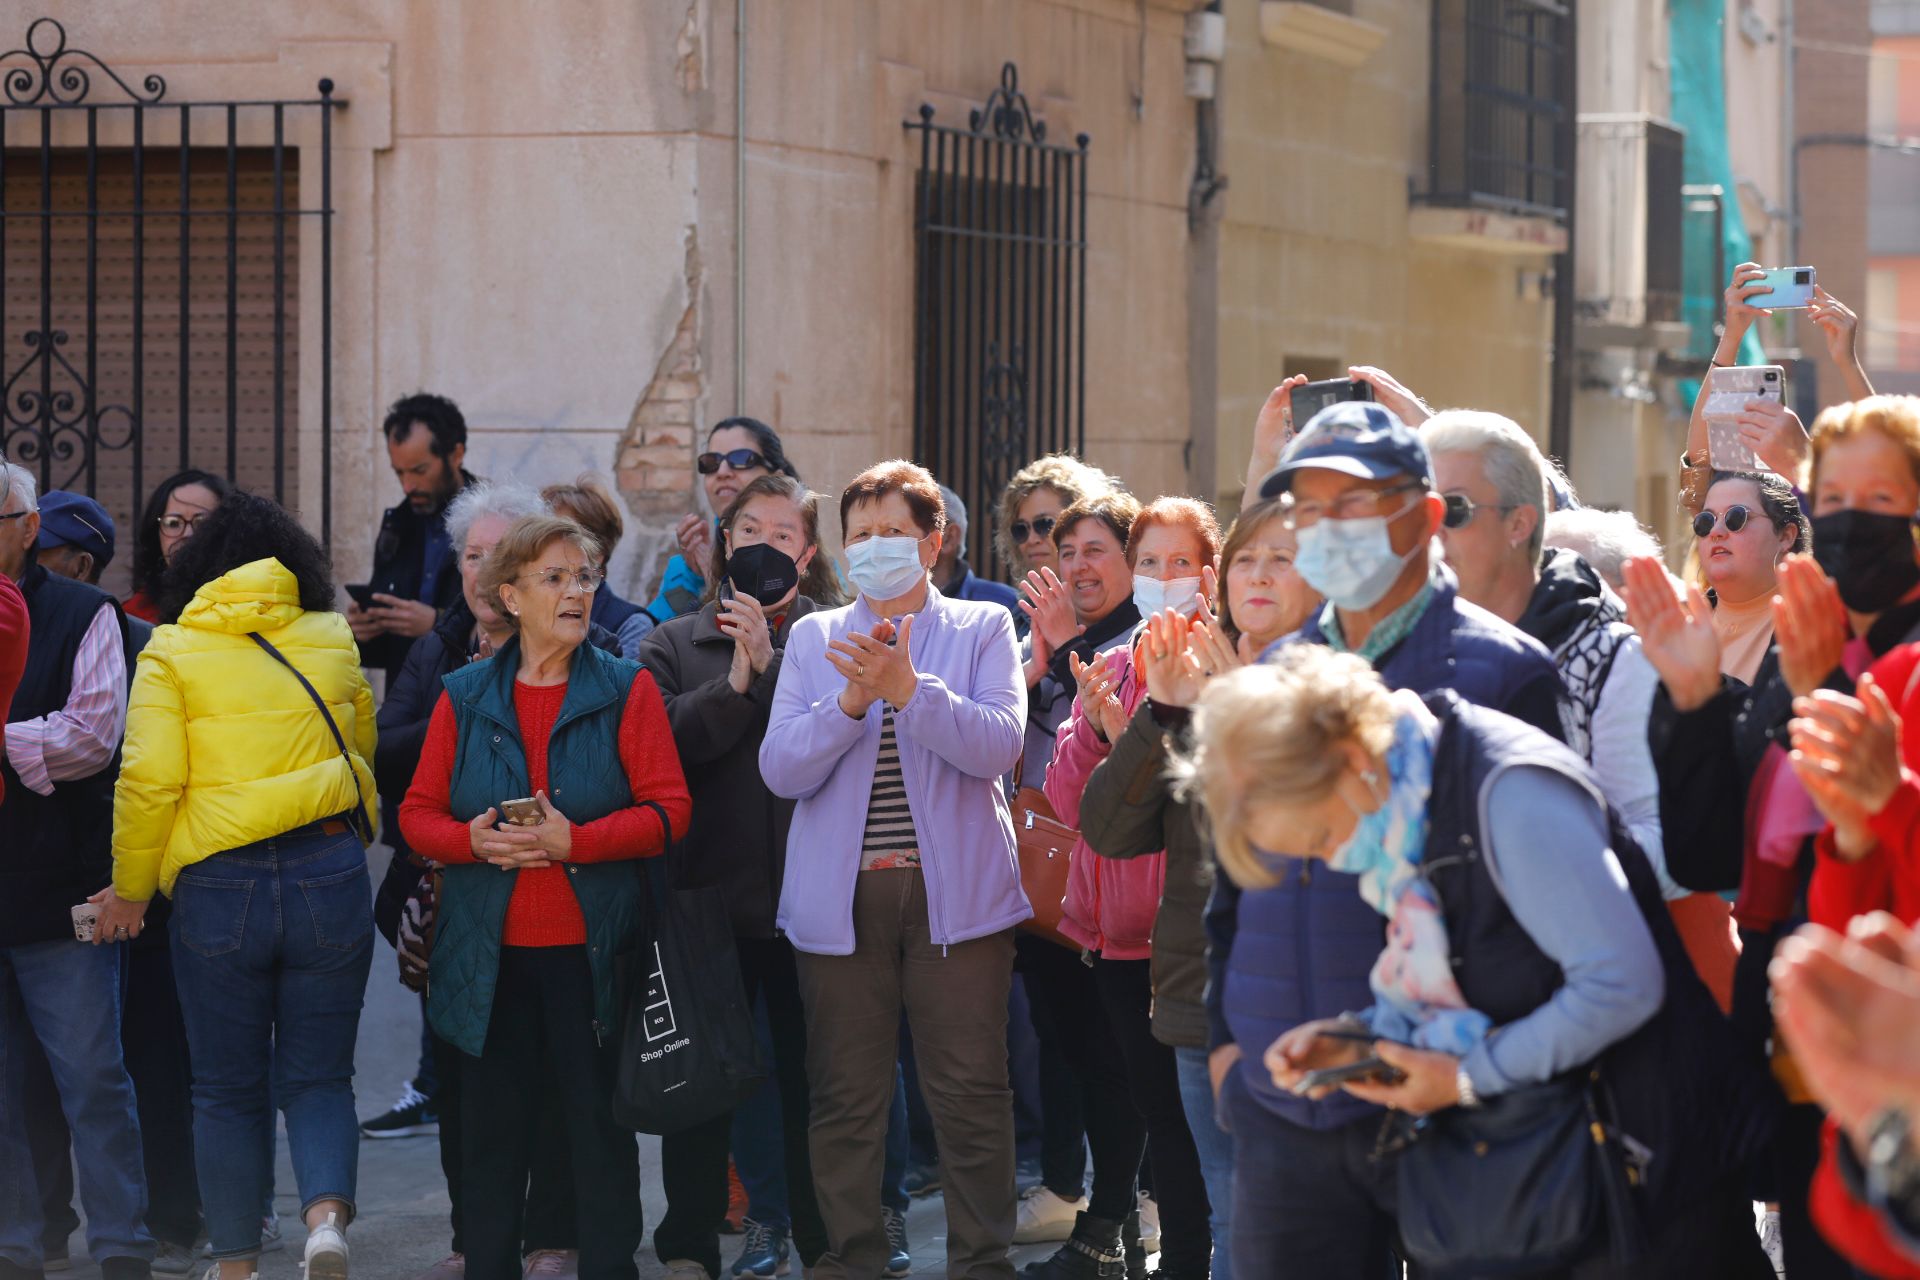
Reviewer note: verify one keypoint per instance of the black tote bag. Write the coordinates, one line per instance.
(687, 1048)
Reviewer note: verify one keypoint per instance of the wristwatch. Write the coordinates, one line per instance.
(1463, 1085)
(1891, 1165)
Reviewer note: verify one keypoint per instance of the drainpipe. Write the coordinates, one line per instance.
(1790, 129)
(1561, 372)
(739, 207)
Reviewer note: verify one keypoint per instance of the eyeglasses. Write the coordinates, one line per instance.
(1355, 504)
(16, 515)
(738, 459)
(182, 524)
(556, 579)
(1735, 516)
(1042, 526)
(1461, 510)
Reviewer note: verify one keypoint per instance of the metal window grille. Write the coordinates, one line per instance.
(1499, 124)
(149, 263)
(1000, 295)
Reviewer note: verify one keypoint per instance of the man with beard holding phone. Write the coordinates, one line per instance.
(717, 669)
(414, 574)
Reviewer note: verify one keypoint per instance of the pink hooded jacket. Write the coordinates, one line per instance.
(1111, 903)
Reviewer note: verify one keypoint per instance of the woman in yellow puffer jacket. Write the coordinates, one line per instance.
(238, 801)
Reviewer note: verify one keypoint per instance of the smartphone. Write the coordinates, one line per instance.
(1314, 396)
(1788, 287)
(1365, 1069)
(1728, 391)
(86, 917)
(362, 594)
(522, 813)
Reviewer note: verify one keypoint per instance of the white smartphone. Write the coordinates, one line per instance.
(86, 919)
(1728, 391)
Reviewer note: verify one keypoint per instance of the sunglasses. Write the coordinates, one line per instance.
(1042, 526)
(738, 459)
(1461, 510)
(1736, 518)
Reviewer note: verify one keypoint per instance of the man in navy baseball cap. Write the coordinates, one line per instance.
(76, 536)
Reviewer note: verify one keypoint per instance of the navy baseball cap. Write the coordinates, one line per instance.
(75, 520)
(1356, 438)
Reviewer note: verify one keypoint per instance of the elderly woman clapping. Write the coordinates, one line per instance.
(1525, 978)
(532, 916)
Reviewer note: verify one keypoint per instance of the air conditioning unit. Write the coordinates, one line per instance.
(1627, 277)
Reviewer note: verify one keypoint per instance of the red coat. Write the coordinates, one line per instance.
(1887, 879)
(1111, 903)
(14, 629)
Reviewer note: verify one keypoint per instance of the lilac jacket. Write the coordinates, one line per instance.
(959, 732)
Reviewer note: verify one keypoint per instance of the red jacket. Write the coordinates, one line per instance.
(1887, 879)
(14, 629)
(1111, 903)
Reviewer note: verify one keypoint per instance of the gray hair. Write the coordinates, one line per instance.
(956, 511)
(1604, 539)
(18, 478)
(508, 499)
(1508, 457)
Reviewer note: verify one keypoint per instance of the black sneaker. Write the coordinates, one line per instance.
(412, 1116)
(921, 1180)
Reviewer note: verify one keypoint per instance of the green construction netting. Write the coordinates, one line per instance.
(1697, 32)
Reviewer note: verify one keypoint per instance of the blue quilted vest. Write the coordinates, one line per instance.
(587, 782)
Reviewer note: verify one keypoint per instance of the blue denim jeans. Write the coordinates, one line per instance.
(271, 946)
(758, 1144)
(66, 996)
(1216, 1152)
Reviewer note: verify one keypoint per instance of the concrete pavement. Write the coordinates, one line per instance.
(403, 1224)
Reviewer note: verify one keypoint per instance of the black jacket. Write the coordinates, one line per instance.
(738, 838)
(398, 571)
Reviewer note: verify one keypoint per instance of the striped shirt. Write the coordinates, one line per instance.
(79, 739)
(890, 841)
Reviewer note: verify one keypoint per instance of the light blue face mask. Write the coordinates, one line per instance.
(885, 568)
(1352, 562)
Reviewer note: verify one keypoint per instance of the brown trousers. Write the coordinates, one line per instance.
(956, 1004)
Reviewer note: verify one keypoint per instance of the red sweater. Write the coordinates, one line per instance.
(14, 629)
(543, 911)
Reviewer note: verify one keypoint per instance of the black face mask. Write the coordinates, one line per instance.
(764, 572)
(1868, 556)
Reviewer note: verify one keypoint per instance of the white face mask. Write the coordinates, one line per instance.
(1151, 595)
(885, 568)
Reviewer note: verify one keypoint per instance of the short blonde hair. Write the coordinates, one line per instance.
(1272, 733)
(1063, 473)
(587, 502)
(520, 546)
(1895, 417)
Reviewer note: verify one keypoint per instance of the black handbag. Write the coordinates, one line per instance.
(1530, 1181)
(357, 818)
(687, 1049)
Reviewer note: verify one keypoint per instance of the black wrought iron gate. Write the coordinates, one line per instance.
(150, 270)
(1000, 230)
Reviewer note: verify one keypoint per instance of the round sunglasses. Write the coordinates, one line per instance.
(1736, 518)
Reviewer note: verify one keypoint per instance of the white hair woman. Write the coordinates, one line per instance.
(1560, 947)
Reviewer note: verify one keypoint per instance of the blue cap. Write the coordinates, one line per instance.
(1356, 438)
(75, 520)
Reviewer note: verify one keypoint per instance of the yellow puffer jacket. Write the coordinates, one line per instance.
(223, 746)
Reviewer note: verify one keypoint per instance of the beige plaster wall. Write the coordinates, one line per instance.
(536, 215)
(1316, 261)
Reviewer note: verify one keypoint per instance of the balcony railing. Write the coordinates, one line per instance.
(1500, 119)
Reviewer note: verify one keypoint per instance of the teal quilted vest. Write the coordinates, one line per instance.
(587, 782)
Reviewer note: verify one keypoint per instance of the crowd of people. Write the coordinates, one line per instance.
(1416, 876)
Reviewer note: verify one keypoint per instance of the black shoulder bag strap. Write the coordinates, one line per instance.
(359, 820)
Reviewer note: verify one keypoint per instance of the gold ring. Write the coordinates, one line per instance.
(859, 668)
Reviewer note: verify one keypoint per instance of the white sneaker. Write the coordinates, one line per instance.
(1045, 1217)
(685, 1269)
(1770, 1242)
(326, 1251)
(1149, 1224)
(213, 1273)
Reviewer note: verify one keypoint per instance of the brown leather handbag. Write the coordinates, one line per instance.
(1045, 845)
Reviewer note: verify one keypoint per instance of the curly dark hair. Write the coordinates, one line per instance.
(440, 416)
(148, 563)
(246, 528)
